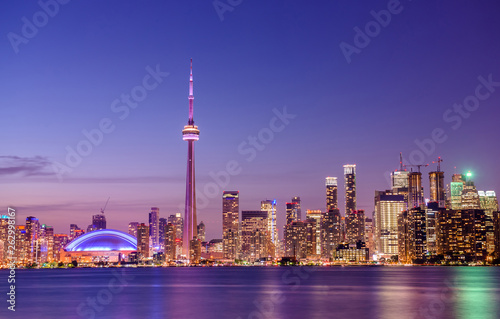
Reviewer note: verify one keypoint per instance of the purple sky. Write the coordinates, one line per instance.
(399, 85)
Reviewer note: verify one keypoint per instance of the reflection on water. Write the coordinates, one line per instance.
(253, 292)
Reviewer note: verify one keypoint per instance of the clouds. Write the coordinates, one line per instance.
(25, 166)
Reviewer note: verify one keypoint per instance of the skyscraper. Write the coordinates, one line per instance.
(387, 208)
(331, 194)
(162, 228)
(436, 180)
(132, 228)
(143, 240)
(230, 224)
(191, 134)
(355, 227)
(255, 235)
(201, 231)
(313, 217)
(331, 232)
(489, 202)
(296, 200)
(470, 195)
(350, 188)
(32, 233)
(154, 225)
(416, 192)
(98, 222)
(270, 207)
(291, 213)
(170, 245)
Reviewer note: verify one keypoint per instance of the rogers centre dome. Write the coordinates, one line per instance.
(103, 240)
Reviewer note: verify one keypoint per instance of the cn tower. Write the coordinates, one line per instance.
(190, 133)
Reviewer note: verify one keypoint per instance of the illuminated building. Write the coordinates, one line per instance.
(436, 180)
(331, 232)
(430, 226)
(201, 231)
(350, 188)
(154, 224)
(296, 200)
(291, 212)
(387, 209)
(461, 235)
(143, 241)
(74, 231)
(313, 218)
(190, 133)
(331, 194)
(470, 196)
(296, 240)
(351, 253)
(369, 234)
(415, 190)
(48, 243)
(170, 244)
(21, 253)
(162, 226)
(496, 229)
(230, 224)
(98, 222)
(194, 251)
(255, 235)
(270, 207)
(488, 201)
(4, 234)
(32, 235)
(60, 241)
(105, 245)
(132, 228)
(400, 180)
(412, 241)
(456, 189)
(178, 222)
(355, 226)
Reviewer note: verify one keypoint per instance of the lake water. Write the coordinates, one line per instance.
(255, 292)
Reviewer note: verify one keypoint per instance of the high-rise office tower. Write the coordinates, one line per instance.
(415, 190)
(98, 222)
(230, 224)
(296, 239)
(331, 232)
(331, 194)
(32, 234)
(489, 201)
(48, 236)
(154, 224)
(170, 245)
(255, 235)
(355, 227)
(314, 218)
(436, 180)
(162, 225)
(60, 241)
(191, 134)
(387, 208)
(270, 207)
(132, 228)
(291, 213)
(201, 231)
(143, 240)
(296, 200)
(350, 188)
(470, 195)
(178, 222)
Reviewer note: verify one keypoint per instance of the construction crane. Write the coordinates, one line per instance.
(102, 209)
(419, 165)
(439, 160)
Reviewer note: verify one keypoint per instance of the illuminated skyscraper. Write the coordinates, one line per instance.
(350, 188)
(255, 236)
(132, 228)
(154, 226)
(291, 213)
(489, 202)
(387, 208)
(400, 180)
(201, 231)
(355, 227)
(270, 207)
(230, 224)
(98, 222)
(331, 194)
(415, 190)
(331, 232)
(143, 240)
(296, 239)
(178, 222)
(412, 240)
(314, 218)
(470, 195)
(296, 200)
(60, 241)
(436, 180)
(32, 234)
(170, 245)
(191, 134)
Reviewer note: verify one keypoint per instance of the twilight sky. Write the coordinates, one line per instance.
(123, 67)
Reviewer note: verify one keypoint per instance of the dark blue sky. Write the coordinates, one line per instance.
(262, 56)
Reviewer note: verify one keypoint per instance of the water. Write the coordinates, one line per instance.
(254, 292)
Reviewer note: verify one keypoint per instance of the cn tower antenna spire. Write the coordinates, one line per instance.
(191, 96)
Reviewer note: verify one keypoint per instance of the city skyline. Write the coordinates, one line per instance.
(140, 164)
